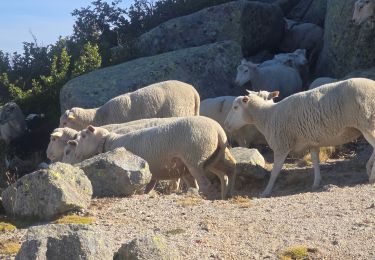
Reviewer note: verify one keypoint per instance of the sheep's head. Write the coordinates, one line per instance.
(58, 139)
(69, 152)
(245, 72)
(296, 59)
(90, 142)
(71, 119)
(238, 116)
(363, 9)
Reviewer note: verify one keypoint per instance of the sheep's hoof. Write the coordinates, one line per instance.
(372, 181)
(315, 187)
(265, 194)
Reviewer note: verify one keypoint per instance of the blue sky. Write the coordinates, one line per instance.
(46, 19)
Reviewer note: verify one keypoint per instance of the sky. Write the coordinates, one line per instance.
(46, 19)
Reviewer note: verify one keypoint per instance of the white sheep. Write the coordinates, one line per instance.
(321, 81)
(60, 136)
(330, 115)
(163, 99)
(363, 9)
(188, 145)
(276, 77)
(301, 36)
(296, 59)
(12, 122)
(218, 108)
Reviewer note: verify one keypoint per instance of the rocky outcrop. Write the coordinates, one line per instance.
(210, 68)
(70, 242)
(49, 192)
(116, 173)
(249, 163)
(148, 247)
(347, 47)
(255, 26)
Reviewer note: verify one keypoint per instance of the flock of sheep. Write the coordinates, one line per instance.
(161, 123)
(181, 137)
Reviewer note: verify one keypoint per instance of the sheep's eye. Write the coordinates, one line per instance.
(53, 139)
(67, 152)
(64, 123)
(83, 136)
(246, 70)
(235, 107)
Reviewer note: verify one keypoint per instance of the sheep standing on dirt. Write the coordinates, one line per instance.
(277, 77)
(12, 122)
(363, 9)
(321, 81)
(187, 145)
(218, 108)
(163, 99)
(330, 115)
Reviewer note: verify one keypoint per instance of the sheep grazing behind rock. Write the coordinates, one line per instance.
(296, 59)
(276, 77)
(12, 122)
(330, 115)
(202, 145)
(218, 108)
(363, 9)
(321, 81)
(164, 99)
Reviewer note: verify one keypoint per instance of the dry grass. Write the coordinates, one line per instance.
(74, 219)
(9, 247)
(325, 154)
(242, 202)
(190, 201)
(4, 227)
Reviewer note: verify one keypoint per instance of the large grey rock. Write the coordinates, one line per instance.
(254, 25)
(116, 173)
(49, 192)
(210, 68)
(145, 248)
(309, 11)
(347, 47)
(249, 163)
(64, 242)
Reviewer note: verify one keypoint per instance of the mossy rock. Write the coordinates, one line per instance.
(211, 69)
(347, 47)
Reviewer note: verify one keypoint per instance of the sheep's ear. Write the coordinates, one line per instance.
(243, 61)
(73, 142)
(250, 92)
(91, 128)
(245, 99)
(71, 116)
(57, 134)
(274, 94)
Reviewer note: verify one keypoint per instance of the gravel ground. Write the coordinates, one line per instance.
(338, 221)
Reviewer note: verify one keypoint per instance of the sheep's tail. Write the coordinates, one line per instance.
(222, 147)
(197, 100)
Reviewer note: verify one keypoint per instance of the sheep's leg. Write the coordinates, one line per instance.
(190, 181)
(315, 159)
(371, 139)
(277, 166)
(203, 182)
(223, 180)
(370, 164)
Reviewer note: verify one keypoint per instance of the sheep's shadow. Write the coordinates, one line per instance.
(340, 173)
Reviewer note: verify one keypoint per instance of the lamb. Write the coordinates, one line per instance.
(330, 115)
(202, 145)
(60, 136)
(163, 99)
(321, 81)
(301, 36)
(277, 77)
(218, 108)
(363, 9)
(12, 122)
(296, 60)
